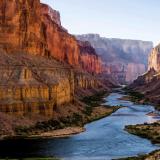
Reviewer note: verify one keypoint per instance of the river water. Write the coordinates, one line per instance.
(104, 139)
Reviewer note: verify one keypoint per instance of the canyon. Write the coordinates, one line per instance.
(30, 30)
(52, 82)
(45, 71)
(148, 83)
(123, 59)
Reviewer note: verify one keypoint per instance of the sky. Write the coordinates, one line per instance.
(126, 19)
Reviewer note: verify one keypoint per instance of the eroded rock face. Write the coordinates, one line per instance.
(134, 70)
(65, 47)
(31, 80)
(21, 27)
(154, 59)
(124, 55)
(90, 61)
(61, 45)
(149, 83)
(53, 14)
(34, 28)
(33, 84)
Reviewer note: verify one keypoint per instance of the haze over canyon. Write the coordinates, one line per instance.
(52, 82)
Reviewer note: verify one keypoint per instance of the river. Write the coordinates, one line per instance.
(104, 139)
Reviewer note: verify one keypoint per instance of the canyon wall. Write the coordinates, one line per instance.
(21, 27)
(35, 28)
(89, 59)
(65, 47)
(42, 66)
(124, 59)
(154, 59)
(33, 84)
(149, 83)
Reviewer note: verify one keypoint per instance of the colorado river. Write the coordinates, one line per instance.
(104, 139)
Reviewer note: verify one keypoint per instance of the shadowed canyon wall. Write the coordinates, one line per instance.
(149, 82)
(33, 84)
(124, 59)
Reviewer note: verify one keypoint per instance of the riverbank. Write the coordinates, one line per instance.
(71, 123)
(32, 159)
(155, 155)
(149, 131)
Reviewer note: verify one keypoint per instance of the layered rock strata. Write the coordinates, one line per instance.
(124, 60)
(31, 38)
(33, 84)
(149, 83)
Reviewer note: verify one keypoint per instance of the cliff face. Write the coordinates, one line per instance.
(53, 14)
(154, 59)
(21, 28)
(34, 85)
(35, 28)
(40, 62)
(123, 58)
(61, 45)
(90, 61)
(65, 47)
(133, 71)
(149, 83)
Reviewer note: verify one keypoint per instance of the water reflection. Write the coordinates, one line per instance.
(103, 140)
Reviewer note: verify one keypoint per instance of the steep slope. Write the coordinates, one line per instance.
(149, 83)
(124, 59)
(35, 28)
(44, 71)
(154, 59)
(42, 66)
(21, 28)
(89, 59)
(65, 47)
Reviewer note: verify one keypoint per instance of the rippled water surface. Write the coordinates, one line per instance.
(104, 139)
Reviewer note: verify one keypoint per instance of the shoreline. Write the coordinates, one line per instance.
(67, 131)
(70, 131)
(147, 131)
(94, 110)
(59, 133)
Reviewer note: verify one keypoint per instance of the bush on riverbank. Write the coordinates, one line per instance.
(149, 131)
(136, 96)
(91, 111)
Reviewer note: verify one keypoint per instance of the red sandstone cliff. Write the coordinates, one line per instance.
(124, 59)
(21, 27)
(44, 70)
(32, 32)
(90, 61)
(65, 47)
(36, 29)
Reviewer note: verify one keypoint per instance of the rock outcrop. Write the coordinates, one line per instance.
(21, 28)
(89, 60)
(34, 85)
(65, 47)
(154, 59)
(124, 59)
(41, 64)
(149, 82)
(35, 28)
